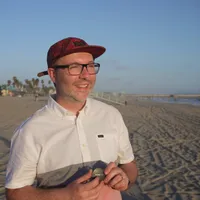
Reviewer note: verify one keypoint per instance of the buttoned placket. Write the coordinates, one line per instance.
(82, 139)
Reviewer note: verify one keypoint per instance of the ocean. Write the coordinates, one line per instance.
(190, 101)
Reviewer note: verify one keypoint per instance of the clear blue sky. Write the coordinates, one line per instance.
(153, 46)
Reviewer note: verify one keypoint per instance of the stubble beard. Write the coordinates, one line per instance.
(74, 97)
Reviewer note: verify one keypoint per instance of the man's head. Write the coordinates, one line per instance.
(72, 69)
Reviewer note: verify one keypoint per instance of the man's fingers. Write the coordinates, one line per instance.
(92, 184)
(109, 167)
(99, 187)
(114, 172)
(95, 191)
(122, 185)
(84, 177)
(118, 178)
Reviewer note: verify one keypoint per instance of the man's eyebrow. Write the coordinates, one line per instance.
(81, 63)
(74, 63)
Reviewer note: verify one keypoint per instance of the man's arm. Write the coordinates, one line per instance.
(131, 171)
(31, 193)
(76, 190)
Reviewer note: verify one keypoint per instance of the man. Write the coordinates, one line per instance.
(64, 144)
(36, 95)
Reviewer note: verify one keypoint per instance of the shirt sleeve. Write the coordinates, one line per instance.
(22, 164)
(125, 153)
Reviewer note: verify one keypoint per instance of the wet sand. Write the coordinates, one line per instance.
(165, 140)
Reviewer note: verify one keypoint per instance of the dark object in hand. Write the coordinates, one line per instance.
(97, 172)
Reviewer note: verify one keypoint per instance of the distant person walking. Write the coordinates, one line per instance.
(36, 96)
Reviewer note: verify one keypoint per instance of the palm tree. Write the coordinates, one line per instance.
(27, 81)
(29, 86)
(21, 86)
(9, 82)
(36, 83)
(33, 81)
(42, 81)
(36, 86)
(15, 82)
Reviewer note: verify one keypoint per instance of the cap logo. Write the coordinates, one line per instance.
(79, 43)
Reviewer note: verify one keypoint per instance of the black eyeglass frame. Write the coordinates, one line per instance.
(83, 66)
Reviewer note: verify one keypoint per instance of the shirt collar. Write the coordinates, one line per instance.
(61, 111)
(85, 109)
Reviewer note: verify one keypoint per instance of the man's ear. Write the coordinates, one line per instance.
(52, 74)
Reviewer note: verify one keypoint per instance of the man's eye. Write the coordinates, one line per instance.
(91, 65)
(74, 66)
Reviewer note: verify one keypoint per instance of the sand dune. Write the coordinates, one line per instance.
(165, 140)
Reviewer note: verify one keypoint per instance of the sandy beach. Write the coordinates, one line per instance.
(165, 139)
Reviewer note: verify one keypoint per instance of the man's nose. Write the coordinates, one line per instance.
(84, 73)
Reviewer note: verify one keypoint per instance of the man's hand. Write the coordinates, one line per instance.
(78, 190)
(116, 177)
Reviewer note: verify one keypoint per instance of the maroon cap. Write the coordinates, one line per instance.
(68, 46)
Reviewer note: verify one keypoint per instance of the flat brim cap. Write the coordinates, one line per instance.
(68, 46)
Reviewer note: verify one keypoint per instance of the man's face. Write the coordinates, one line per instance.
(73, 88)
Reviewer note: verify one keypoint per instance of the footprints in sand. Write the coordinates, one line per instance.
(166, 143)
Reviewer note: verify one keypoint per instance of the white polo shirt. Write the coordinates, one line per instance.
(53, 145)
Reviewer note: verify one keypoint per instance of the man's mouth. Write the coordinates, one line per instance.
(82, 86)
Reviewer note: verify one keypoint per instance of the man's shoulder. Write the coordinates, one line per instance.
(32, 122)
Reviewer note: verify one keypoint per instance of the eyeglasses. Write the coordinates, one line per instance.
(76, 69)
